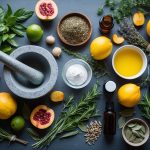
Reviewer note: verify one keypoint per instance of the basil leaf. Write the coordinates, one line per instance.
(6, 48)
(5, 37)
(23, 14)
(11, 20)
(18, 32)
(20, 27)
(11, 36)
(12, 42)
(69, 134)
(9, 11)
(2, 14)
(2, 28)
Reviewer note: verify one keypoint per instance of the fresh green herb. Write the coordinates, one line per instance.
(132, 36)
(121, 121)
(33, 134)
(11, 26)
(100, 10)
(71, 116)
(99, 69)
(4, 135)
(69, 134)
(145, 106)
(82, 127)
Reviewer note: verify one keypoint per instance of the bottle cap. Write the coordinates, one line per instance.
(110, 86)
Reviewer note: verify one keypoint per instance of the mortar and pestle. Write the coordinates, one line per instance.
(30, 71)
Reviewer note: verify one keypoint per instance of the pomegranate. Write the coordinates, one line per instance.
(42, 117)
(46, 10)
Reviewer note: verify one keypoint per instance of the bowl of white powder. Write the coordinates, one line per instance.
(77, 73)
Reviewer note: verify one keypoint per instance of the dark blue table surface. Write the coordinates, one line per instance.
(89, 8)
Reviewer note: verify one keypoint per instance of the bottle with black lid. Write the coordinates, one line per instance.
(109, 119)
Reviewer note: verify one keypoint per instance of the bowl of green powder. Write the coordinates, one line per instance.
(74, 29)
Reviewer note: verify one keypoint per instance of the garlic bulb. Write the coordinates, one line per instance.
(56, 51)
(50, 39)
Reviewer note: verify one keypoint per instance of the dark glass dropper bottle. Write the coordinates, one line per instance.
(109, 119)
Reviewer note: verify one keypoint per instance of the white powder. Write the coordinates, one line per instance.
(76, 74)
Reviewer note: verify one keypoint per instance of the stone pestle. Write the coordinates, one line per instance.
(31, 74)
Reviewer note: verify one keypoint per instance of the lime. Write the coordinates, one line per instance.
(17, 123)
(34, 33)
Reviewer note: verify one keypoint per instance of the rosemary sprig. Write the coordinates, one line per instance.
(99, 68)
(132, 36)
(4, 135)
(71, 116)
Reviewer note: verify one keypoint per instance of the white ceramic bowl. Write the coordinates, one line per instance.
(146, 135)
(144, 58)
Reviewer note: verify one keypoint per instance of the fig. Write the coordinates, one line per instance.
(46, 10)
(42, 117)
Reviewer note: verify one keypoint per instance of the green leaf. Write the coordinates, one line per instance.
(127, 112)
(20, 27)
(121, 122)
(18, 32)
(2, 27)
(26, 111)
(11, 21)
(33, 134)
(6, 48)
(69, 134)
(12, 42)
(8, 12)
(5, 37)
(136, 127)
(23, 14)
(100, 10)
(11, 36)
(2, 14)
(82, 127)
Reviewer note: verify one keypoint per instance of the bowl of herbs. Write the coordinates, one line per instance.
(74, 29)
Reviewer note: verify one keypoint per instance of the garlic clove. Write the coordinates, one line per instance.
(50, 39)
(56, 51)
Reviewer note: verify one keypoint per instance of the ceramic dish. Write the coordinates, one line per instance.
(38, 58)
(139, 51)
(70, 15)
(146, 135)
(81, 62)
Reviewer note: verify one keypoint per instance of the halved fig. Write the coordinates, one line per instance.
(46, 10)
(42, 117)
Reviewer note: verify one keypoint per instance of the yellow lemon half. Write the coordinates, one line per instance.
(129, 95)
(148, 28)
(101, 48)
(8, 105)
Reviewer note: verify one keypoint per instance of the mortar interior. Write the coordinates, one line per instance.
(35, 61)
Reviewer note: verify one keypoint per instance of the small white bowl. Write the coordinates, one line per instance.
(81, 62)
(144, 58)
(146, 134)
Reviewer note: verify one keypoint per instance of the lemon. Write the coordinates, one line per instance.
(57, 96)
(101, 48)
(129, 95)
(148, 28)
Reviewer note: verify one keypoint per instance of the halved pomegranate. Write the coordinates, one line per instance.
(42, 116)
(46, 10)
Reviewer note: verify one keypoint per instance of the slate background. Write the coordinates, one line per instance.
(89, 8)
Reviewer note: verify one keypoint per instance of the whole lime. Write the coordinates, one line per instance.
(17, 123)
(34, 33)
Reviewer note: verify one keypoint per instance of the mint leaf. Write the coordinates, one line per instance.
(5, 37)
(20, 27)
(11, 21)
(18, 32)
(12, 42)
(11, 36)
(2, 14)
(6, 48)
(9, 11)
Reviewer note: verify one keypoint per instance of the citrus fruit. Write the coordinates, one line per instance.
(57, 96)
(138, 19)
(8, 105)
(129, 95)
(17, 123)
(148, 28)
(34, 33)
(101, 48)
(42, 116)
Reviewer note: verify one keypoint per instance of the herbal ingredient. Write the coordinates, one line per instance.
(4, 135)
(17, 123)
(76, 74)
(145, 106)
(101, 48)
(34, 33)
(57, 96)
(132, 36)
(42, 117)
(148, 28)
(135, 132)
(71, 116)
(129, 95)
(74, 29)
(99, 69)
(50, 39)
(8, 105)
(93, 130)
(117, 39)
(56, 52)
(125, 8)
(138, 19)
(11, 26)
(46, 10)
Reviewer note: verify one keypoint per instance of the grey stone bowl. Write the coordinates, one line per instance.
(38, 58)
